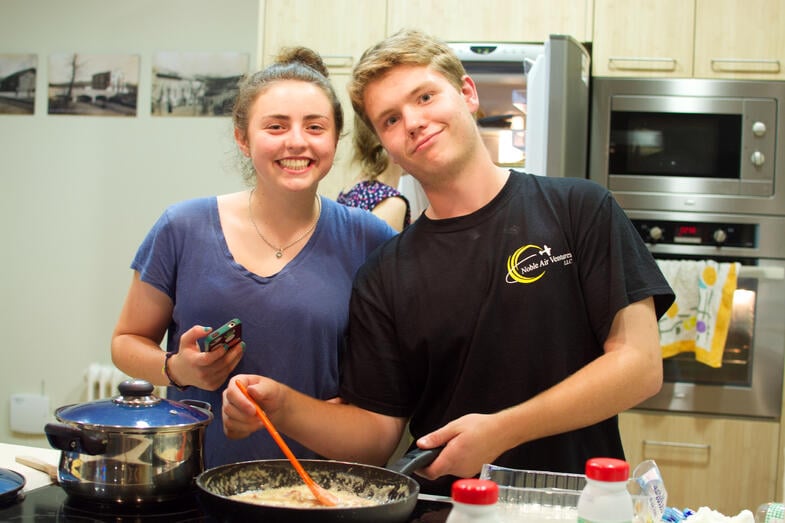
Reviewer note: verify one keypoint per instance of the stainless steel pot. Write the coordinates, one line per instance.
(133, 448)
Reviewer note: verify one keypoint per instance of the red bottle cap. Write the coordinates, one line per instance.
(607, 469)
(475, 491)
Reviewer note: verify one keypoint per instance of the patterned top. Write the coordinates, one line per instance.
(368, 194)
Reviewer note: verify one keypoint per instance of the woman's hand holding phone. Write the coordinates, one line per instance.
(199, 364)
(226, 336)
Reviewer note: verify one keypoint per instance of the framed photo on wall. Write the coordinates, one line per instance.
(196, 83)
(17, 83)
(93, 84)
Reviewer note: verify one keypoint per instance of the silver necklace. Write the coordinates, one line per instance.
(279, 250)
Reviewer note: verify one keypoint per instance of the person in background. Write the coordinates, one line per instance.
(277, 256)
(510, 323)
(411, 189)
(376, 189)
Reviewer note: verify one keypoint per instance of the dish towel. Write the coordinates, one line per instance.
(698, 320)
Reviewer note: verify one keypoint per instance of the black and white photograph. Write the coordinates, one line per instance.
(17, 83)
(196, 83)
(93, 84)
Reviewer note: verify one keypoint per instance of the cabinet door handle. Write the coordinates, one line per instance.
(677, 444)
(636, 63)
(745, 65)
(338, 60)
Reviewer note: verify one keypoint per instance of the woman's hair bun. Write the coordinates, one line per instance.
(305, 56)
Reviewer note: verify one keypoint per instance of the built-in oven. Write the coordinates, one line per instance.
(749, 380)
(690, 144)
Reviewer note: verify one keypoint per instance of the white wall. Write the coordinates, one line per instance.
(79, 193)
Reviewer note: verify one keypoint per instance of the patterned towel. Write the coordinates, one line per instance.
(698, 320)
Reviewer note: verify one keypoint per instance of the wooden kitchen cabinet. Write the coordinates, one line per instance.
(740, 39)
(643, 38)
(725, 464)
(339, 30)
(689, 38)
(493, 21)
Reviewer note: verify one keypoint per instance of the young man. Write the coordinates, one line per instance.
(510, 324)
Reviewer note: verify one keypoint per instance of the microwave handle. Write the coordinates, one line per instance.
(762, 273)
(637, 63)
(721, 65)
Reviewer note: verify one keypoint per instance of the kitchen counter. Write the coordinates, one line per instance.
(33, 478)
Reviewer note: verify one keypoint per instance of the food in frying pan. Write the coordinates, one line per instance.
(300, 497)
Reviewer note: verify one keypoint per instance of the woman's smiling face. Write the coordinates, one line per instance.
(291, 136)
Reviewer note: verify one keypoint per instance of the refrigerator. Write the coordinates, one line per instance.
(534, 103)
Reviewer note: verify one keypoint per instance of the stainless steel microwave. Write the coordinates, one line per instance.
(690, 144)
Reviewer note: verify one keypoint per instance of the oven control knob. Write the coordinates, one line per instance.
(757, 159)
(758, 128)
(655, 234)
(720, 236)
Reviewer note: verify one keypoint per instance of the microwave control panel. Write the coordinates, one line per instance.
(697, 233)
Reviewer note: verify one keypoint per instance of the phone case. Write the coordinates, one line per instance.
(227, 336)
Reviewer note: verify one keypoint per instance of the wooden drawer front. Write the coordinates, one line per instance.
(725, 464)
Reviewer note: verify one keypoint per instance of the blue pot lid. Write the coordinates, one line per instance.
(136, 409)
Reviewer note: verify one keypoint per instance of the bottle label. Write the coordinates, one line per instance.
(775, 513)
(648, 477)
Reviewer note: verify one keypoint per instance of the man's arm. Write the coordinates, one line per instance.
(628, 372)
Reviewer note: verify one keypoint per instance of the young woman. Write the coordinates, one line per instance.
(278, 257)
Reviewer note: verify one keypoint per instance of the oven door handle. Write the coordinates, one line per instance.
(762, 273)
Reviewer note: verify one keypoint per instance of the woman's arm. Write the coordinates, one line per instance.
(136, 350)
(393, 211)
(143, 321)
(335, 430)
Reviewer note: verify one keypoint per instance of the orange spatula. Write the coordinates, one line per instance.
(324, 497)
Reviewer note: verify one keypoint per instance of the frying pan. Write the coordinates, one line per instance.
(393, 490)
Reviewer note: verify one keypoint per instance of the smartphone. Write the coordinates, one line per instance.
(228, 335)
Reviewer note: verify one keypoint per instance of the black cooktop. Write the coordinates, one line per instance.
(51, 504)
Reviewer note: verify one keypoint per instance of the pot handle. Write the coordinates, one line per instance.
(72, 439)
(415, 459)
(204, 405)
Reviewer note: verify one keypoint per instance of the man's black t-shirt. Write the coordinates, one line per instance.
(481, 312)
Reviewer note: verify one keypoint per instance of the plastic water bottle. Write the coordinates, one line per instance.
(474, 501)
(770, 513)
(605, 498)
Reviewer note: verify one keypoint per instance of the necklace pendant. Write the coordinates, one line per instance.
(278, 253)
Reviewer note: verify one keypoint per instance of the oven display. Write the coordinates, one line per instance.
(687, 234)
